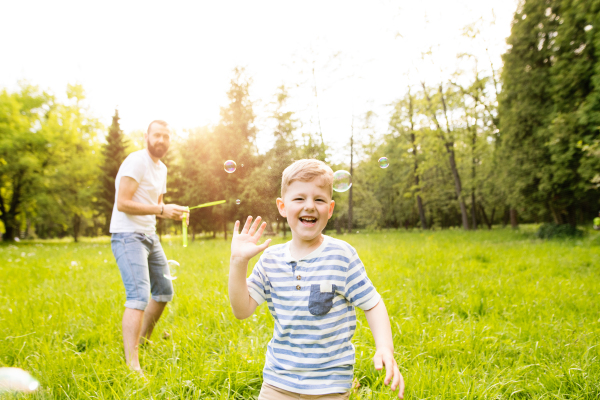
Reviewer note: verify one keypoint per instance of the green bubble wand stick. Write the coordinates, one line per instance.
(184, 222)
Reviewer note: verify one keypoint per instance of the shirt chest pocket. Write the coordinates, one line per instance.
(320, 299)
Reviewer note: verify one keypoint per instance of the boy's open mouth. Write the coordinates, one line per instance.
(308, 221)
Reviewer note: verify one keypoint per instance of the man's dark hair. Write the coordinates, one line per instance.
(157, 121)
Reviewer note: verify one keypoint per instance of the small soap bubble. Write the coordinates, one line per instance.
(383, 162)
(172, 270)
(242, 165)
(238, 201)
(17, 380)
(342, 181)
(17, 239)
(230, 166)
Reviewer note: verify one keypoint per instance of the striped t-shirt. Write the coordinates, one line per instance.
(312, 301)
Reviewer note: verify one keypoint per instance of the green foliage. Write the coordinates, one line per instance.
(558, 231)
(25, 152)
(113, 155)
(481, 315)
(549, 104)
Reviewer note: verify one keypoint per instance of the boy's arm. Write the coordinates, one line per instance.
(243, 248)
(379, 322)
(242, 304)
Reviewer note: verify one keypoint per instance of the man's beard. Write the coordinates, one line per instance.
(157, 151)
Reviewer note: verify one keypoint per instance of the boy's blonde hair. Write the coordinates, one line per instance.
(306, 171)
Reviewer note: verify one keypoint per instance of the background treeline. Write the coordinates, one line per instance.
(488, 146)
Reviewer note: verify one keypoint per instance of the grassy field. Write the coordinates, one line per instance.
(476, 315)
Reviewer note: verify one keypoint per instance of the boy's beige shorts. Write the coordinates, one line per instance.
(269, 392)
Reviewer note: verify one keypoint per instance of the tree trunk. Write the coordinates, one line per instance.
(9, 234)
(505, 217)
(572, 216)
(458, 186)
(338, 226)
(76, 225)
(416, 161)
(224, 227)
(421, 212)
(513, 219)
(473, 211)
(555, 214)
(449, 145)
(485, 218)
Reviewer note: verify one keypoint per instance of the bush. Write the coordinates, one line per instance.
(558, 231)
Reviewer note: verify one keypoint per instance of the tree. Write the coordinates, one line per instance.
(113, 155)
(550, 104)
(25, 151)
(263, 185)
(405, 113)
(436, 109)
(236, 140)
(73, 169)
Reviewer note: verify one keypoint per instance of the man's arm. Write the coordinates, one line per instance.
(379, 322)
(127, 188)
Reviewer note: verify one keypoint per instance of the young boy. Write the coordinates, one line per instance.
(312, 285)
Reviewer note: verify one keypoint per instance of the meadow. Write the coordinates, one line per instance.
(475, 315)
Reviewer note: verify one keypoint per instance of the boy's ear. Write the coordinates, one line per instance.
(281, 207)
(331, 207)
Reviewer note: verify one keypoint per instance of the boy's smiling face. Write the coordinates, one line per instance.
(307, 207)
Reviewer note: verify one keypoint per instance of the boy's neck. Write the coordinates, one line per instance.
(300, 248)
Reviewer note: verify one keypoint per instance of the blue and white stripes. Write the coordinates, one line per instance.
(312, 301)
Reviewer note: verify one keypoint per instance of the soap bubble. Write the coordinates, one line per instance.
(242, 165)
(17, 239)
(17, 380)
(230, 166)
(238, 201)
(342, 181)
(383, 162)
(172, 270)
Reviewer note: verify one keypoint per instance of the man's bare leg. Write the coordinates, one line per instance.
(151, 317)
(132, 326)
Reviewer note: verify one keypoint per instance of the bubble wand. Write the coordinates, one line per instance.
(184, 222)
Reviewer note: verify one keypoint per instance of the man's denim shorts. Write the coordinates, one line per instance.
(143, 264)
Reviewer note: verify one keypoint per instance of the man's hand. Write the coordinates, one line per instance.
(244, 245)
(385, 358)
(175, 212)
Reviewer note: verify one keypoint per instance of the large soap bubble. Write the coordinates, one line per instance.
(342, 181)
(230, 166)
(17, 380)
(383, 162)
(173, 265)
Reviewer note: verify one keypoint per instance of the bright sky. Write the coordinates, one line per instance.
(174, 60)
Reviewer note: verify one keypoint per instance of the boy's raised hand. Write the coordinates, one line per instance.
(385, 357)
(244, 245)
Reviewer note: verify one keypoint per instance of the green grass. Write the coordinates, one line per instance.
(475, 315)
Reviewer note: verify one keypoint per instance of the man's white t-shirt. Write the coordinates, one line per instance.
(152, 180)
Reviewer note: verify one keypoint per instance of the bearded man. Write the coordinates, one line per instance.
(140, 186)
